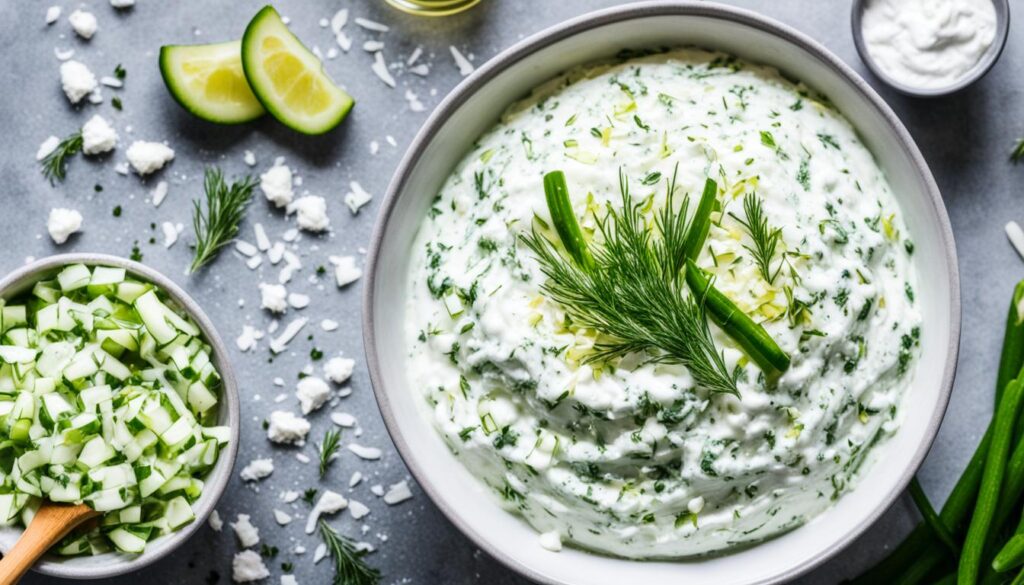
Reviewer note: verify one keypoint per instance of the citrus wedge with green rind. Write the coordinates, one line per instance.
(288, 79)
(209, 82)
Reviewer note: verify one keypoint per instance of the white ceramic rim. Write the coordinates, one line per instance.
(982, 68)
(596, 19)
(217, 480)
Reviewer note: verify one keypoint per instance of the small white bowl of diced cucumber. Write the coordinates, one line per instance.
(115, 391)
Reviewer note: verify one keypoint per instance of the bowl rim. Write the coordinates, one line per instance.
(221, 473)
(980, 69)
(554, 34)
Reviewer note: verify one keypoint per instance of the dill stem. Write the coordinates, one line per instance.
(556, 191)
(754, 340)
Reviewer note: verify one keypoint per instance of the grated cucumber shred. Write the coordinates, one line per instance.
(108, 396)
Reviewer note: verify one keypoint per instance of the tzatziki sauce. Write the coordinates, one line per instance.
(928, 44)
(633, 458)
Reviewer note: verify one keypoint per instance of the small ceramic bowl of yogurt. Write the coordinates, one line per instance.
(930, 48)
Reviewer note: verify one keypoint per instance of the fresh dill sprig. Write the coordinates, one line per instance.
(766, 238)
(632, 291)
(216, 222)
(349, 566)
(55, 164)
(1017, 154)
(328, 449)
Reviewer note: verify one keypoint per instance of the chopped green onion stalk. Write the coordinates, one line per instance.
(556, 191)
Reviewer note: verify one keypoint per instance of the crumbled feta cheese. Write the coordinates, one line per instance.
(84, 23)
(319, 553)
(111, 82)
(121, 168)
(248, 566)
(373, 46)
(380, 69)
(149, 157)
(357, 198)
(282, 518)
(158, 193)
(290, 235)
(289, 496)
(77, 80)
(312, 393)
(276, 184)
(345, 270)
(98, 136)
(414, 56)
(397, 493)
(371, 25)
(246, 248)
(62, 223)
(278, 344)
(338, 20)
(262, 241)
(355, 479)
(273, 297)
(298, 300)
(329, 503)
(343, 419)
(276, 252)
(215, 522)
(422, 70)
(328, 325)
(121, 4)
(248, 338)
(288, 580)
(465, 67)
(358, 510)
(257, 469)
(302, 457)
(368, 453)
(171, 232)
(63, 55)
(52, 14)
(47, 147)
(339, 369)
(343, 41)
(377, 490)
(286, 428)
(248, 535)
(414, 101)
(552, 541)
(249, 158)
(311, 213)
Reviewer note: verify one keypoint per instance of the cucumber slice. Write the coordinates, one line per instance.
(288, 79)
(208, 81)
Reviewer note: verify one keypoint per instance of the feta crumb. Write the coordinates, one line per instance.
(355, 479)
(248, 566)
(371, 25)
(319, 553)
(368, 453)
(276, 252)
(111, 82)
(377, 490)
(215, 522)
(299, 549)
(357, 198)
(62, 223)
(98, 136)
(288, 580)
(282, 518)
(278, 344)
(246, 248)
(276, 184)
(52, 14)
(286, 428)
(63, 55)
(249, 158)
(397, 493)
(422, 70)
(552, 541)
(47, 147)
(339, 369)
(345, 270)
(248, 535)
(380, 69)
(358, 510)
(414, 102)
(122, 4)
(84, 23)
(343, 419)
(328, 325)
(302, 457)
(149, 157)
(298, 300)
(465, 67)
(171, 232)
(374, 147)
(289, 496)
(158, 193)
(329, 503)
(373, 46)
(338, 20)
(311, 213)
(248, 338)
(343, 41)
(257, 469)
(312, 393)
(76, 80)
(414, 56)
(262, 241)
(273, 297)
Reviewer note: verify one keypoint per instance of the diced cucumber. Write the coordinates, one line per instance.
(74, 277)
(126, 541)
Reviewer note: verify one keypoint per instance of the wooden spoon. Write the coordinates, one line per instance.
(51, 523)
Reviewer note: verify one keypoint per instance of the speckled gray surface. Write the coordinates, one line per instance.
(965, 139)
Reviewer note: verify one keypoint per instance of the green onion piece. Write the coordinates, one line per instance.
(1011, 555)
(931, 518)
(701, 222)
(754, 340)
(556, 191)
(1012, 358)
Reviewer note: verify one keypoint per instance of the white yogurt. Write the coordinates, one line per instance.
(928, 44)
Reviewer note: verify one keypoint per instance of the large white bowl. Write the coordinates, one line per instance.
(475, 106)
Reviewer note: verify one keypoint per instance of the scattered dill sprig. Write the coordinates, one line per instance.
(632, 291)
(55, 164)
(766, 239)
(349, 566)
(1017, 154)
(328, 449)
(216, 222)
(309, 495)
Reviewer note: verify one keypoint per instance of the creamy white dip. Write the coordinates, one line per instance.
(632, 459)
(928, 43)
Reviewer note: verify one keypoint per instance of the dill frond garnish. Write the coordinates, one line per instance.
(766, 238)
(349, 566)
(216, 222)
(55, 164)
(328, 449)
(630, 288)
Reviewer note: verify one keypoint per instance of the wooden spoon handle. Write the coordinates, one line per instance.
(51, 523)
